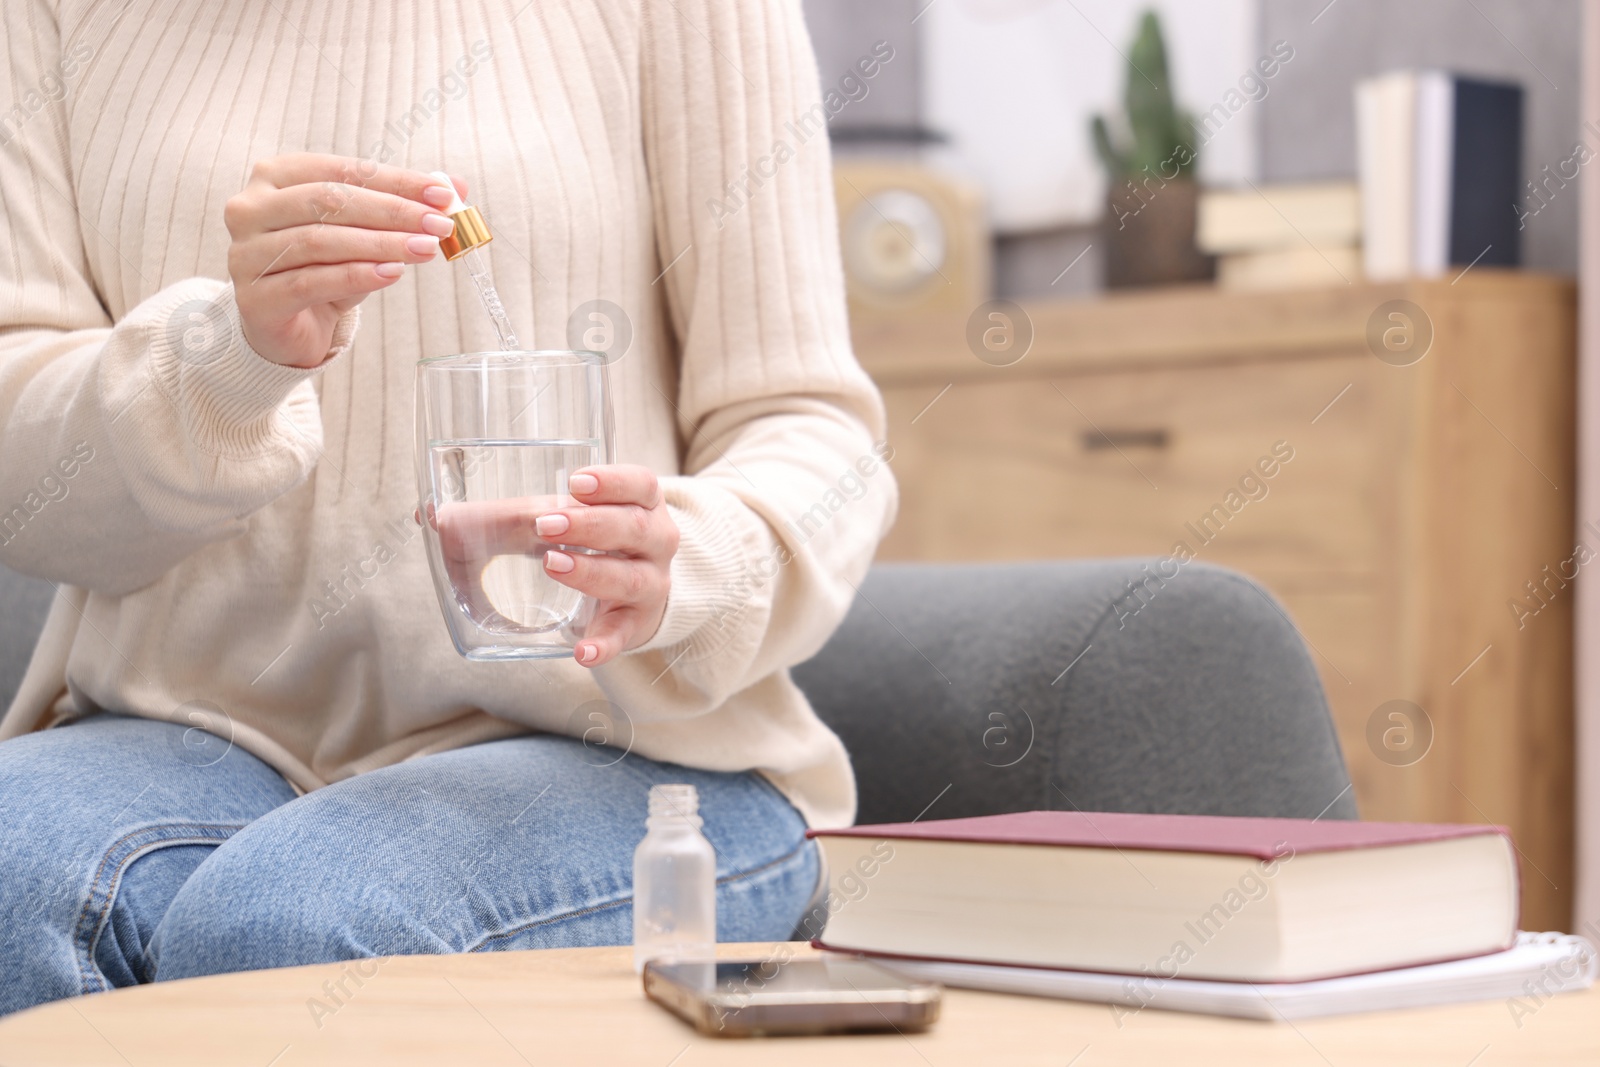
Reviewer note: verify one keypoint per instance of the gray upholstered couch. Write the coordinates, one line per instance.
(976, 689)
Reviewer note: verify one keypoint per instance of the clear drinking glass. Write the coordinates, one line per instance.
(498, 435)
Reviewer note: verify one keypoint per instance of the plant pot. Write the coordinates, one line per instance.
(1149, 233)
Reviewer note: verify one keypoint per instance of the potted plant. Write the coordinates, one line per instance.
(1150, 160)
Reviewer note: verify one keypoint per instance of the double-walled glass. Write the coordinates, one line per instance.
(498, 436)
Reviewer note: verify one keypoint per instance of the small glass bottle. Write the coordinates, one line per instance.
(674, 881)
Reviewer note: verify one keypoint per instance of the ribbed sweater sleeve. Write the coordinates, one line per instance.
(778, 419)
(172, 428)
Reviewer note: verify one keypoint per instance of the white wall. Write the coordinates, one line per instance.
(1014, 83)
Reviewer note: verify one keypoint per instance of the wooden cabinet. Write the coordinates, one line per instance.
(1421, 535)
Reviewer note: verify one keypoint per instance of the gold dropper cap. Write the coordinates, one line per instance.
(470, 232)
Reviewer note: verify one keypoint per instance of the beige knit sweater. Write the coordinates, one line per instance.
(233, 535)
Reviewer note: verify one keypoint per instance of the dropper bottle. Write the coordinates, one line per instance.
(674, 881)
(471, 234)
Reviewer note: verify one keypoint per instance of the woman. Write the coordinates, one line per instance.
(222, 266)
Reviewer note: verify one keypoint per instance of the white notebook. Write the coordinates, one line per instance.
(1538, 966)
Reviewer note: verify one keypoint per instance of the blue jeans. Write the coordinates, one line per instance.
(133, 851)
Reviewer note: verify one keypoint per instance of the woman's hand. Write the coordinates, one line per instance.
(313, 235)
(620, 512)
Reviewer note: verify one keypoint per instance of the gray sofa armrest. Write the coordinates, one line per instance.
(24, 602)
(987, 688)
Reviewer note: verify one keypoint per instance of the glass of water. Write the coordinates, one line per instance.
(498, 435)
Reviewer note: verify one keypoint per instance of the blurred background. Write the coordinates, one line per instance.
(1290, 287)
(1011, 86)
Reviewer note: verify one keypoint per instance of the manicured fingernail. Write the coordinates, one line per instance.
(438, 196)
(558, 562)
(389, 270)
(551, 525)
(582, 483)
(588, 653)
(421, 245)
(438, 225)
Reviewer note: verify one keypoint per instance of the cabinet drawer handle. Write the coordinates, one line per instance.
(1095, 440)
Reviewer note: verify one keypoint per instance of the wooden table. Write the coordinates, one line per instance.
(584, 1006)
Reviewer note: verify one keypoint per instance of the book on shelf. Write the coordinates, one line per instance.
(1282, 236)
(1290, 268)
(1439, 157)
(1198, 897)
(1271, 218)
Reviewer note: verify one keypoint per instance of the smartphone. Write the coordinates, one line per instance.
(744, 998)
